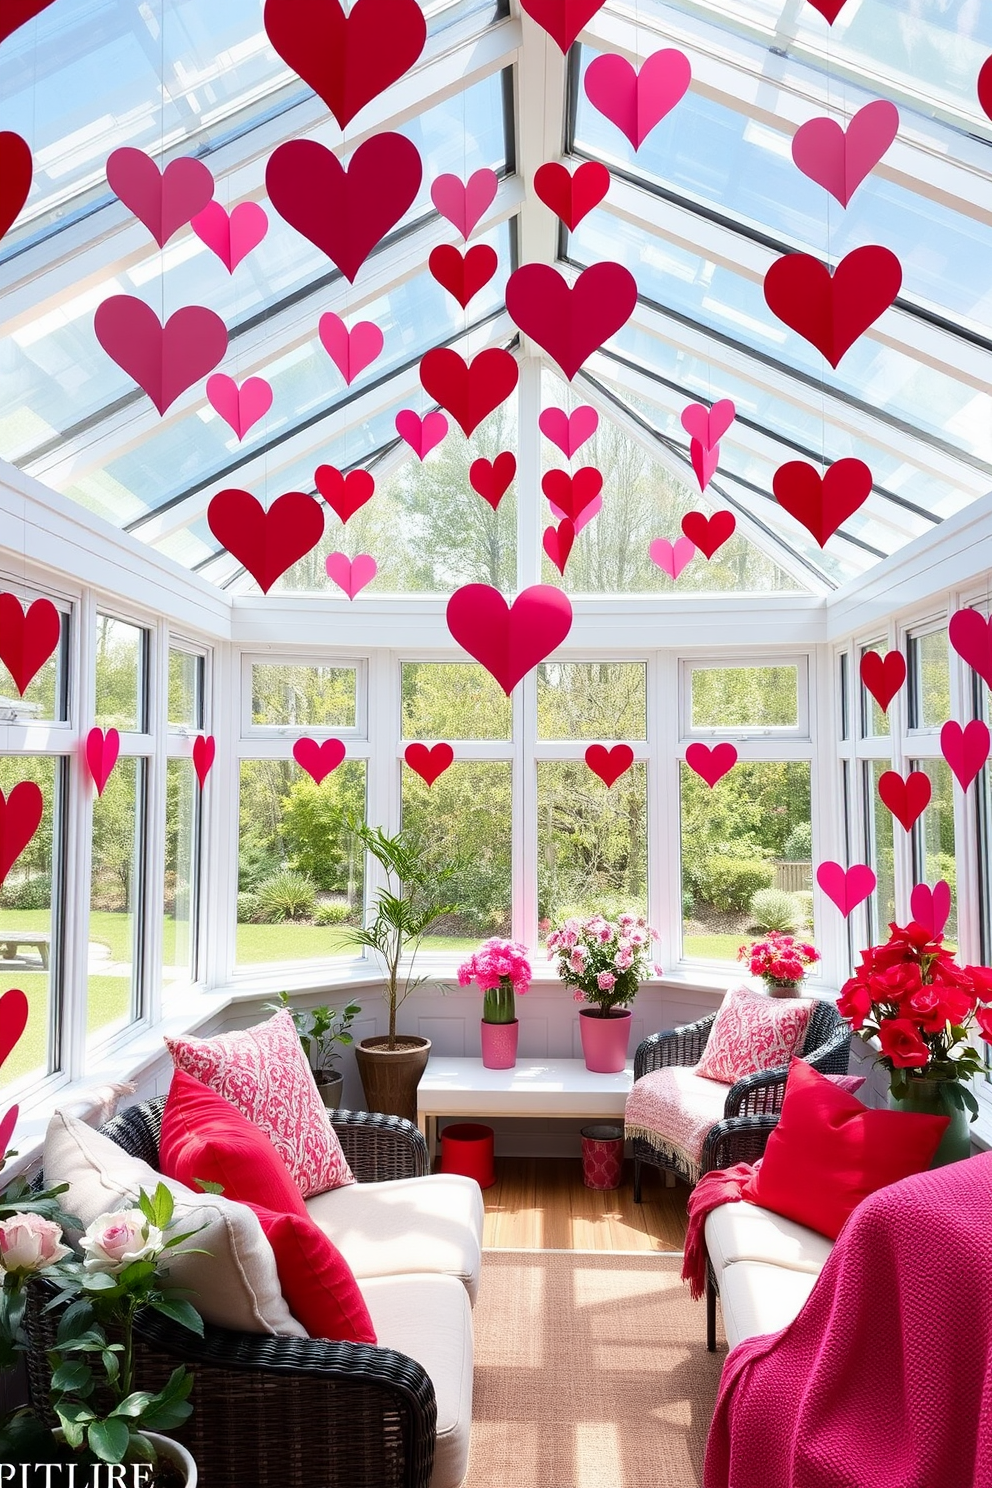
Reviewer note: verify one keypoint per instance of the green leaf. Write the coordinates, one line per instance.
(73, 1413)
(180, 1312)
(207, 1185)
(141, 1449)
(109, 1439)
(98, 1281)
(134, 1404)
(76, 1319)
(74, 1376)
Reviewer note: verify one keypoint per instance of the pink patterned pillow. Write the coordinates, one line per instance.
(264, 1072)
(753, 1032)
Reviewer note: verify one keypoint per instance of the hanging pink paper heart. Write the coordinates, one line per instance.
(344, 494)
(421, 434)
(840, 161)
(671, 557)
(428, 763)
(709, 533)
(16, 174)
(568, 431)
(491, 479)
(704, 462)
(931, 908)
(102, 750)
(13, 1021)
(350, 351)
(906, 799)
(971, 636)
(266, 542)
(318, 759)
(27, 637)
(609, 764)
(883, 675)
(232, 236)
(557, 543)
(965, 749)
(204, 754)
(846, 887)
(711, 764)
(20, 817)
(508, 640)
(708, 425)
(591, 509)
(163, 200)
(570, 323)
(464, 204)
(831, 310)
(636, 101)
(7, 1131)
(351, 574)
(243, 406)
(17, 13)
(163, 360)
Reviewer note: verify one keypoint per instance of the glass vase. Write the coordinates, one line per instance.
(776, 988)
(929, 1097)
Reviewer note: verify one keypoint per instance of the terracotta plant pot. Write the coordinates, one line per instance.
(390, 1076)
(605, 1040)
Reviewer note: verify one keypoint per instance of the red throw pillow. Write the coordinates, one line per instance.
(204, 1136)
(317, 1282)
(828, 1152)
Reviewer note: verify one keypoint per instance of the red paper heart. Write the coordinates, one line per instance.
(428, 763)
(463, 277)
(829, 9)
(883, 675)
(491, 479)
(344, 212)
(557, 543)
(985, 86)
(906, 799)
(847, 888)
(163, 360)
(469, 391)
(571, 494)
(344, 494)
(562, 19)
(508, 640)
(163, 200)
(16, 170)
(609, 764)
(569, 324)
(231, 235)
(635, 100)
(7, 1127)
(931, 908)
(822, 505)
(27, 638)
(705, 462)
(101, 752)
(15, 13)
(266, 542)
(13, 1021)
(572, 197)
(839, 159)
(20, 815)
(464, 204)
(971, 636)
(204, 754)
(347, 60)
(832, 310)
(711, 764)
(965, 749)
(709, 533)
(318, 759)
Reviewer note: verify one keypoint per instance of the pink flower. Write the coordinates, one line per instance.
(115, 1241)
(623, 959)
(638, 938)
(605, 980)
(625, 920)
(658, 970)
(577, 960)
(29, 1243)
(578, 995)
(605, 934)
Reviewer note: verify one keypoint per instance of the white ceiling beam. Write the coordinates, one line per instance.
(540, 96)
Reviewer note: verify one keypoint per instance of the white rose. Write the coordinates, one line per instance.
(29, 1243)
(115, 1241)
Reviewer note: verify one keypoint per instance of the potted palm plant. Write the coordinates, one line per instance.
(324, 1033)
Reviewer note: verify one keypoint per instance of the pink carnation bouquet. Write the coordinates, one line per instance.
(603, 960)
(500, 968)
(780, 960)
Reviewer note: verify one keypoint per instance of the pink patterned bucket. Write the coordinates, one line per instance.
(499, 1044)
(602, 1156)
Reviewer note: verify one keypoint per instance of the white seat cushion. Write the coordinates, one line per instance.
(757, 1298)
(431, 1225)
(673, 1109)
(429, 1318)
(745, 1232)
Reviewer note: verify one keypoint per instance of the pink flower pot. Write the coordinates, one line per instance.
(605, 1040)
(499, 1044)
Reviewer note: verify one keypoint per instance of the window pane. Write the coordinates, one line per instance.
(745, 697)
(45, 696)
(119, 674)
(185, 689)
(592, 842)
(874, 723)
(750, 833)
(300, 871)
(27, 931)
(465, 817)
(933, 836)
(304, 696)
(592, 700)
(114, 899)
(844, 686)
(182, 855)
(930, 680)
(453, 700)
(881, 850)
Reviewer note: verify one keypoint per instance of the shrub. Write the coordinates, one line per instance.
(804, 907)
(332, 912)
(731, 883)
(774, 909)
(30, 893)
(798, 846)
(688, 903)
(247, 907)
(286, 896)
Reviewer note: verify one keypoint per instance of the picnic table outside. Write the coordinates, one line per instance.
(10, 940)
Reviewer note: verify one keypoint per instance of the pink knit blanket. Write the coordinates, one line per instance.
(884, 1380)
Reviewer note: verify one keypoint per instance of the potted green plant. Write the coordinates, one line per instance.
(324, 1033)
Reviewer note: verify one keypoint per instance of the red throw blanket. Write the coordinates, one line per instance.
(722, 1186)
(884, 1380)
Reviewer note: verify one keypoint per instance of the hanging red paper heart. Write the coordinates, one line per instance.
(421, 434)
(7, 1126)
(846, 887)
(243, 406)
(708, 425)
(491, 479)
(318, 759)
(163, 200)
(839, 161)
(971, 636)
(344, 212)
(906, 799)
(671, 557)
(463, 277)
(829, 9)
(351, 574)
(347, 59)
(350, 351)
(822, 505)
(469, 391)
(711, 764)
(931, 908)
(571, 197)
(637, 100)
(101, 752)
(344, 494)
(27, 638)
(585, 516)
(832, 310)
(266, 542)
(163, 360)
(562, 19)
(569, 324)
(508, 640)
(709, 533)
(13, 1021)
(557, 543)
(609, 764)
(465, 204)
(569, 431)
(705, 462)
(20, 816)
(965, 749)
(15, 13)
(204, 754)
(16, 170)
(985, 86)
(428, 763)
(232, 236)
(883, 675)
(571, 494)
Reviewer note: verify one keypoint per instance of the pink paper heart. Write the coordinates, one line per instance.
(840, 161)
(568, 431)
(163, 200)
(318, 759)
(671, 557)
(636, 101)
(164, 360)
(204, 754)
(464, 204)
(350, 351)
(7, 1131)
(846, 887)
(421, 434)
(585, 516)
(931, 908)
(711, 764)
(704, 462)
(351, 574)
(708, 425)
(13, 1021)
(232, 236)
(101, 751)
(965, 749)
(243, 406)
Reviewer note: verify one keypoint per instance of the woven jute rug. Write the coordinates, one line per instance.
(591, 1371)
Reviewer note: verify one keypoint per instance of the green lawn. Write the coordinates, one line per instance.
(711, 947)
(290, 941)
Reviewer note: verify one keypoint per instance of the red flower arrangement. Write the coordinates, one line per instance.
(780, 959)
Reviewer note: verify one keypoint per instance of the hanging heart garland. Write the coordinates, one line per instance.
(269, 542)
(465, 203)
(350, 351)
(491, 479)
(204, 754)
(344, 494)
(562, 19)
(27, 637)
(883, 675)
(470, 391)
(966, 750)
(839, 159)
(905, 799)
(231, 235)
(20, 818)
(571, 197)
(711, 764)
(557, 543)
(351, 574)
(163, 200)
(568, 431)
(164, 360)
(421, 434)
(672, 558)
(570, 323)
(822, 504)
(17, 13)
(708, 425)
(463, 275)
(609, 764)
(509, 640)
(931, 908)
(832, 310)
(243, 406)
(14, 1011)
(318, 760)
(429, 763)
(971, 636)
(636, 100)
(572, 494)
(709, 534)
(16, 173)
(101, 751)
(846, 887)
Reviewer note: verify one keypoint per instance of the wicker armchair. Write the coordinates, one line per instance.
(287, 1412)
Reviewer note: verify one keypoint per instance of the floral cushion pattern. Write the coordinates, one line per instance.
(753, 1032)
(264, 1073)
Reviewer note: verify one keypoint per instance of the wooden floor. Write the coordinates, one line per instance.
(541, 1204)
